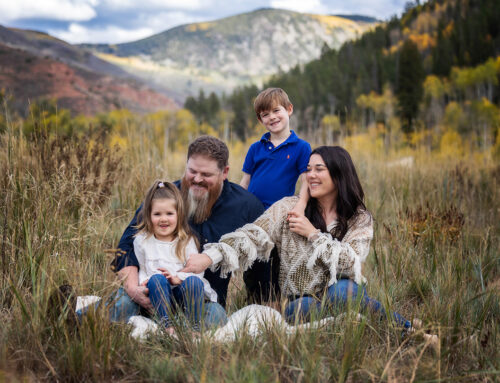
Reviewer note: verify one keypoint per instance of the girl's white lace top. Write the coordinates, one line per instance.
(152, 253)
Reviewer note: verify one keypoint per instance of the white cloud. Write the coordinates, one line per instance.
(156, 4)
(381, 9)
(74, 10)
(162, 21)
(110, 34)
(113, 34)
(311, 6)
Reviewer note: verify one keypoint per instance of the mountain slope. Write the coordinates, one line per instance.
(42, 44)
(228, 52)
(35, 65)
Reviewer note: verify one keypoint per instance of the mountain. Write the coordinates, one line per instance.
(36, 65)
(222, 54)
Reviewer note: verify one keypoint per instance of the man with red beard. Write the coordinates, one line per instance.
(216, 207)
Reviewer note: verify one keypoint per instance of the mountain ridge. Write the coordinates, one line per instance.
(222, 54)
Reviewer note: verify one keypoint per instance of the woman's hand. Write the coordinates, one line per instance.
(299, 224)
(173, 279)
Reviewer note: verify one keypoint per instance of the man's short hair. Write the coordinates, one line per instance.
(211, 147)
(269, 99)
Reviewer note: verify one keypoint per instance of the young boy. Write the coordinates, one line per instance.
(273, 164)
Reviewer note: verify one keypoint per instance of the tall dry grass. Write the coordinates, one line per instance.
(435, 256)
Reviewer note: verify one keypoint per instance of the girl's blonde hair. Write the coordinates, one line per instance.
(166, 190)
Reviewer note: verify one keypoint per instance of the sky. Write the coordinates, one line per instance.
(117, 21)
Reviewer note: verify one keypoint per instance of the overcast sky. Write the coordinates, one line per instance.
(115, 21)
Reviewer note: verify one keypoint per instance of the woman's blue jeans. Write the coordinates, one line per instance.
(167, 299)
(340, 295)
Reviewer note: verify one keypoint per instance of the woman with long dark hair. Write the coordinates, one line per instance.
(336, 208)
(321, 252)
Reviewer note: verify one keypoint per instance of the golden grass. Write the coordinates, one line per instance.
(435, 256)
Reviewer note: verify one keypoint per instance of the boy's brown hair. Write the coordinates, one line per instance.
(270, 98)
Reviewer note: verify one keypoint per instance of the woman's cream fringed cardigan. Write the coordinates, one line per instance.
(305, 267)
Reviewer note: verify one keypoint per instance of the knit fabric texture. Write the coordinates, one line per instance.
(305, 267)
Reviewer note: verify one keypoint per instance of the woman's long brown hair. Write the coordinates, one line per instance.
(350, 194)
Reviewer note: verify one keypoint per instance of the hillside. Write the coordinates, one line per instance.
(222, 54)
(34, 65)
(42, 44)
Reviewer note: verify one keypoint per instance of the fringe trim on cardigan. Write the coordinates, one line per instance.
(256, 244)
(229, 261)
(358, 277)
(253, 244)
(323, 247)
(333, 250)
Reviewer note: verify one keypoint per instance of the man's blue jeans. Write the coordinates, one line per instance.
(339, 295)
(121, 307)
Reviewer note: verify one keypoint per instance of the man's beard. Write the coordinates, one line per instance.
(199, 208)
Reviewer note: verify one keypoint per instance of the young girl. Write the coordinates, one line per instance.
(162, 246)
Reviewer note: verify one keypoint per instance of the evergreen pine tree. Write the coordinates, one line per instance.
(410, 83)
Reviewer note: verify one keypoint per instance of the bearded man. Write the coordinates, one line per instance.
(216, 207)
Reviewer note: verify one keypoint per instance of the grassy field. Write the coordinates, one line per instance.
(65, 201)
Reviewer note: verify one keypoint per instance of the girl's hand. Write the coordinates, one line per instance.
(299, 224)
(173, 279)
(164, 272)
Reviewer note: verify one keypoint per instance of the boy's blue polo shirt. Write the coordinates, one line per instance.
(274, 170)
